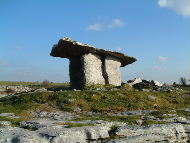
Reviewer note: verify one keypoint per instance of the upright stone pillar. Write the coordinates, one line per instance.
(76, 73)
(112, 70)
(92, 68)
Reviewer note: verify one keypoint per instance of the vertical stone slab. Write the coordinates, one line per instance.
(92, 67)
(112, 70)
(76, 73)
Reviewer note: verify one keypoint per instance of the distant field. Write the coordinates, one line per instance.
(30, 83)
(187, 88)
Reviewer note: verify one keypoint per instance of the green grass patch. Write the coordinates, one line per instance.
(186, 88)
(182, 113)
(130, 120)
(14, 121)
(151, 122)
(70, 125)
(160, 113)
(105, 101)
(35, 84)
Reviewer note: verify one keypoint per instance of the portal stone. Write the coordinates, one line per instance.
(92, 67)
(112, 70)
(76, 73)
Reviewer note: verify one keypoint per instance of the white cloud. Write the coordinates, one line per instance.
(115, 23)
(118, 49)
(182, 7)
(95, 27)
(161, 58)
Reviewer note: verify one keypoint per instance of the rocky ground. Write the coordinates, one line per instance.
(65, 127)
(46, 117)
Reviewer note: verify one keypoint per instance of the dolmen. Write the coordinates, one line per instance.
(89, 65)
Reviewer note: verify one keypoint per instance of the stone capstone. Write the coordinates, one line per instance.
(67, 48)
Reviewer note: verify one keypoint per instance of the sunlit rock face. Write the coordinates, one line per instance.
(89, 65)
(112, 70)
(92, 68)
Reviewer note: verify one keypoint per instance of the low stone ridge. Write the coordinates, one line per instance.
(67, 48)
(145, 85)
(18, 88)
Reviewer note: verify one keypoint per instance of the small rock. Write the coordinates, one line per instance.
(156, 83)
(170, 115)
(5, 123)
(77, 109)
(76, 90)
(8, 115)
(146, 90)
(151, 97)
(134, 81)
(72, 99)
(113, 89)
(41, 90)
(139, 122)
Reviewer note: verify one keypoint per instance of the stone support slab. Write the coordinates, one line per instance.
(76, 73)
(92, 68)
(112, 70)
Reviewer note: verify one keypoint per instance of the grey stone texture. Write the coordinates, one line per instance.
(92, 68)
(51, 131)
(169, 133)
(112, 70)
(89, 65)
(20, 135)
(68, 48)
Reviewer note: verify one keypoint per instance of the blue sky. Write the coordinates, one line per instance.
(156, 32)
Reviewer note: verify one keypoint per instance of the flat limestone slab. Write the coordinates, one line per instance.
(92, 66)
(67, 48)
(112, 70)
